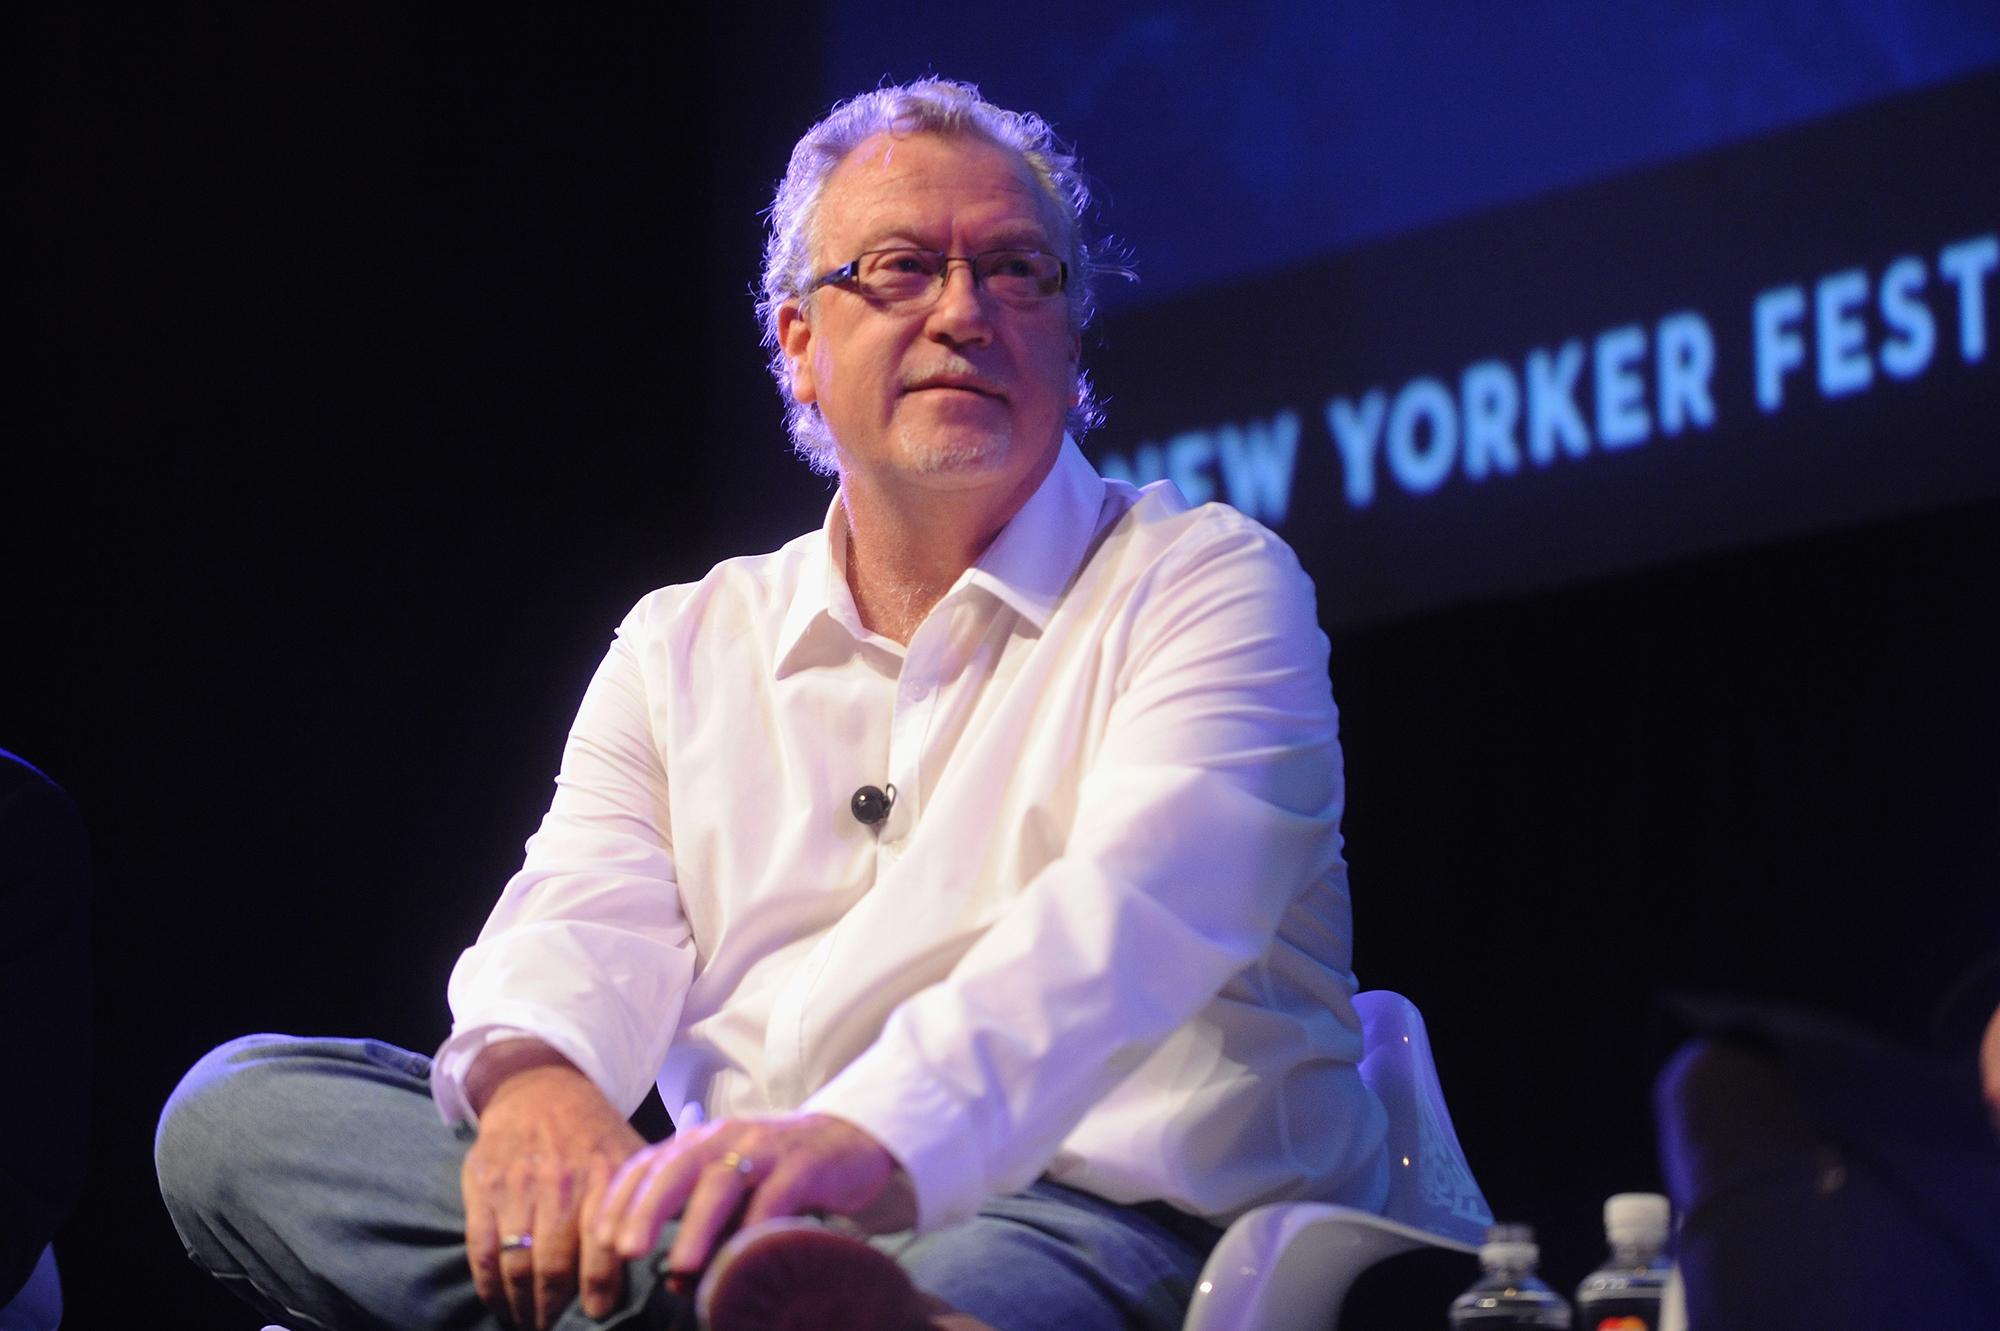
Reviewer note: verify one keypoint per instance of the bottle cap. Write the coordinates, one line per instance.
(1511, 1246)
(1636, 1217)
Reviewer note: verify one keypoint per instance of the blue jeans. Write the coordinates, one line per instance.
(314, 1178)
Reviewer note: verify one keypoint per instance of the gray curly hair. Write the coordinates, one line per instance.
(933, 106)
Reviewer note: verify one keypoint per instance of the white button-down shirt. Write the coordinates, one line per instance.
(1103, 934)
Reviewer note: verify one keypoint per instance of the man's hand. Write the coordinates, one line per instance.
(548, 1145)
(744, 1171)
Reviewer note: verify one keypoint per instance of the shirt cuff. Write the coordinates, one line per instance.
(452, 1064)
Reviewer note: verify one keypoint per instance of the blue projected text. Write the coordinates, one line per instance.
(1605, 392)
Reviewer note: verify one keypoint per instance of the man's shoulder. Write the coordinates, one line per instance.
(1156, 527)
(753, 586)
(1206, 578)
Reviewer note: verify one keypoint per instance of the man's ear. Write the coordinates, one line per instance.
(795, 336)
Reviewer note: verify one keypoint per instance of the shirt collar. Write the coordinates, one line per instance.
(1034, 557)
(820, 594)
(1026, 568)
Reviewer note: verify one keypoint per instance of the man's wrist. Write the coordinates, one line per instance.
(501, 1062)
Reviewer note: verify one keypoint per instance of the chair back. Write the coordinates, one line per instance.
(38, 1305)
(1430, 1184)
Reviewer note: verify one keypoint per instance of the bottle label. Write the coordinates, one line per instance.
(1601, 1318)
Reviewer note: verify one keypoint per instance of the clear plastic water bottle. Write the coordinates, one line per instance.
(1625, 1293)
(1509, 1293)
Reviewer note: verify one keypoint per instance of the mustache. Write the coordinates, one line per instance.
(954, 372)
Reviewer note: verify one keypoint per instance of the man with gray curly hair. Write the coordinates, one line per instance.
(935, 106)
(965, 874)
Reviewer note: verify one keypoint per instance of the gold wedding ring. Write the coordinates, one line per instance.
(739, 1162)
(516, 1242)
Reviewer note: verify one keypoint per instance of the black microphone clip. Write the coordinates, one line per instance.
(871, 804)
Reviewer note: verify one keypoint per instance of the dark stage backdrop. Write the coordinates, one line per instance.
(380, 360)
(1788, 335)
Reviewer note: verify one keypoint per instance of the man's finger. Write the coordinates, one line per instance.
(797, 1184)
(632, 1177)
(482, 1244)
(484, 1259)
(659, 1195)
(600, 1275)
(625, 1182)
(555, 1247)
(709, 1212)
(517, 1281)
(517, 1237)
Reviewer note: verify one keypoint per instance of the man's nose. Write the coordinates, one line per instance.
(961, 313)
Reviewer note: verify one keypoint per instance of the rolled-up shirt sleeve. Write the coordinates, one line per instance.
(1210, 806)
(587, 949)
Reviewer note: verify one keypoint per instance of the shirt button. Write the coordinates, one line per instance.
(917, 690)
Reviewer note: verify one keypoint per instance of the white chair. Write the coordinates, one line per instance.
(1287, 1266)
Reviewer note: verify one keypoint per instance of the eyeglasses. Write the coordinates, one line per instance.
(913, 278)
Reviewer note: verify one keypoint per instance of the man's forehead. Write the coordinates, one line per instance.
(894, 179)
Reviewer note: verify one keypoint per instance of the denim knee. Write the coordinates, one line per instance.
(226, 1104)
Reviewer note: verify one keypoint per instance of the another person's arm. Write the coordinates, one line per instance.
(1989, 1068)
(45, 992)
